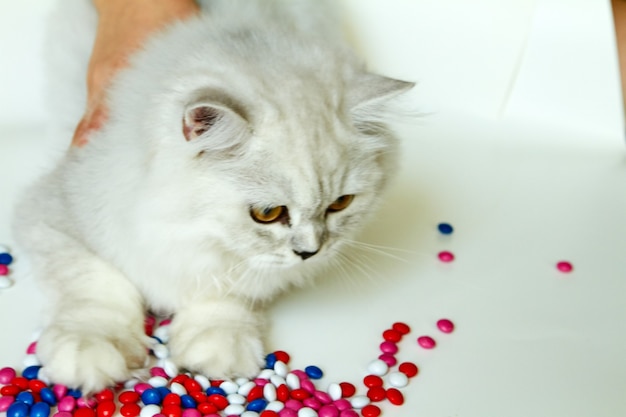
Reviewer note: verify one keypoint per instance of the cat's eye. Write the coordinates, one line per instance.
(267, 214)
(341, 203)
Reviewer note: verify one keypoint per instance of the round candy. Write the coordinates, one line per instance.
(5, 402)
(391, 335)
(373, 381)
(313, 372)
(31, 372)
(398, 379)
(388, 347)
(445, 256)
(281, 368)
(25, 397)
(426, 342)
(282, 356)
(130, 410)
(4, 270)
(564, 266)
(388, 358)
(270, 360)
(347, 389)
(401, 328)
(395, 397)
(370, 410)
(150, 410)
(6, 258)
(151, 396)
(445, 228)
(6, 375)
(257, 405)
(445, 325)
(67, 404)
(409, 369)
(18, 409)
(105, 409)
(359, 401)
(377, 367)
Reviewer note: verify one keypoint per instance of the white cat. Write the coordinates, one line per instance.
(242, 149)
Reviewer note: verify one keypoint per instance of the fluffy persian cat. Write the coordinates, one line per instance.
(242, 148)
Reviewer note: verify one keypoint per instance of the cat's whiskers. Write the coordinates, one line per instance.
(378, 249)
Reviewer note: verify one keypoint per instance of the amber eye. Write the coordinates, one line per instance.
(341, 203)
(268, 214)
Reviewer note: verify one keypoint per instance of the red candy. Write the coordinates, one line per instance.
(376, 394)
(395, 397)
(409, 369)
(84, 412)
(300, 394)
(171, 399)
(130, 410)
(401, 328)
(20, 382)
(36, 385)
(373, 381)
(269, 413)
(129, 397)
(255, 393)
(282, 393)
(282, 356)
(106, 409)
(392, 335)
(104, 395)
(347, 389)
(191, 385)
(370, 410)
(171, 411)
(219, 401)
(10, 390)
(207, 408)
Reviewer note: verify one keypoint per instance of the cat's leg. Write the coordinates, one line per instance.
(93, 336)
(220, 338)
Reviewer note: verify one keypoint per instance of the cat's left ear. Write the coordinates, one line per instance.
(218, 125)
(371, 90)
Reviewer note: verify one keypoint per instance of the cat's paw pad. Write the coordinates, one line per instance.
(219, 352)
(89, 361)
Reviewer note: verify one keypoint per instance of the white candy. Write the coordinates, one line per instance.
(250, 414)
(130, 384)
(281, 369)
(359, 401)
(266, 374)
(292, 380)
(163, 333)
(236, 399)
(307, 412)
(178, 388)
(246, 388)
(203, 381)
(377, 367)
(233, 410)
(275, 406)
(5, 282)
(161, 351)
(398, 379)
(277, 380)
(169, 367)
(269, 392)
(241, 380)
(157, 381)
(42, 375)
(150, 410)
(334, 390)
(229, 387)
(30, 360)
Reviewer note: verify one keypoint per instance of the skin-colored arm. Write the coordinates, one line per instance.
(123, 25)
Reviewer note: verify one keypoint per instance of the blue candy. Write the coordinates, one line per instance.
(163, 391)
(6, 258)
(76, 393)
(215, 390)
(25, 397)
(18, 409)
(151, 396)
(31, 372)
(313, 372)
(270, 360)
(47, 396)
(445, 228)
(187, 401)
(40, 410)
(257, 405)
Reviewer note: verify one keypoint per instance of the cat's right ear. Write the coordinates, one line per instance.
(216, 125)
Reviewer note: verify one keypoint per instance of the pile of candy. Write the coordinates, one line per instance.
(276, 392)
(5, 261)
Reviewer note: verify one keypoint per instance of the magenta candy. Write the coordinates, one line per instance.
(389, 359)
(158, 371)
(445, 256)
(288, 412)
(312, 402)
(300, 374)
(342, 404)
(5, 403)
(426, 342)
(308, 386)
(7, 375)
(32, 349)
(165, 322)
(83, 402)
(62, 414)
(293, 404)
(328, 411)
(389, 347)
(191, 412)
(323, 397)
(445, 325)
(349, 413)
(59, 390)
(141, 387)
(67, 404)
(564, 266)
(261, 382)
(4, 270)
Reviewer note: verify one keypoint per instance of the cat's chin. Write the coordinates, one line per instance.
(268, 262)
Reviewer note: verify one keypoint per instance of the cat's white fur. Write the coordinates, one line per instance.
(149, 216)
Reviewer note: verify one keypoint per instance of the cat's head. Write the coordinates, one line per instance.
(299, 170)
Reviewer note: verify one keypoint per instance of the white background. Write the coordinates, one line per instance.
(520, 148)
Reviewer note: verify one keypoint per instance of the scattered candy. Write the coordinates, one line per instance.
(445, 325)
(426, 342)
(564, 266)
(277, 391)
(5, 260)
(445, 256)
(445, 228)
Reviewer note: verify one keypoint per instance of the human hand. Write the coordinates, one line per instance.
(123, 26)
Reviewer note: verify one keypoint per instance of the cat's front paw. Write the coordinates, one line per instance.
(90, 360)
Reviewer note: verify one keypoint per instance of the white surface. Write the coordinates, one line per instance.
(522, 153)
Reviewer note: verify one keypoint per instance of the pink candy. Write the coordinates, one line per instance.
(6, 375)
(445, 325)
(5, 403)
(564, 266)
(426, 342)
(445, 256)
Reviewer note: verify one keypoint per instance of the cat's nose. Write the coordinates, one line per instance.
(305, 255)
